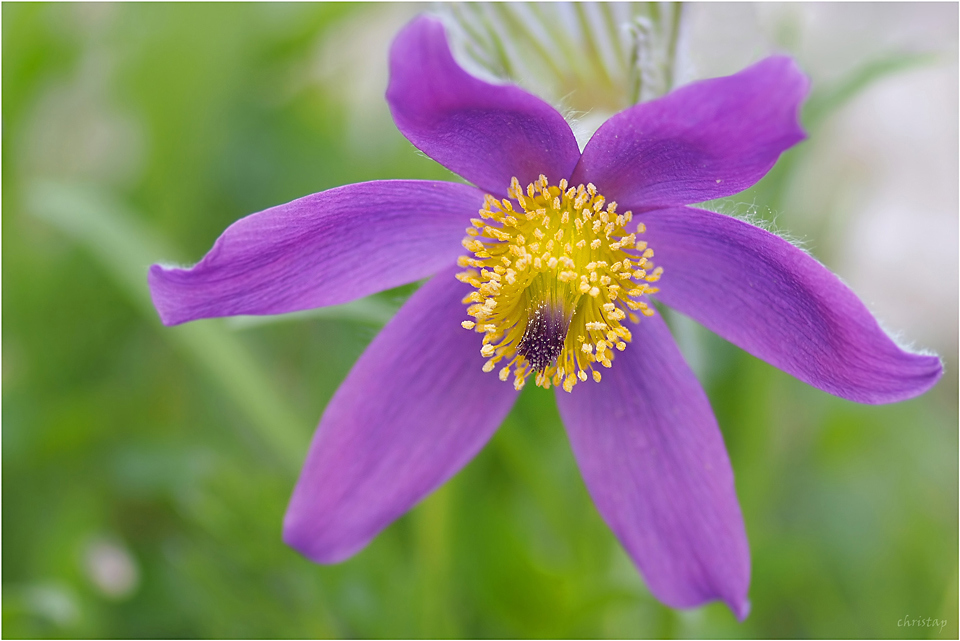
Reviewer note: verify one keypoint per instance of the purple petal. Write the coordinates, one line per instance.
(706, 140)
(324, 249)
(486, 133)
(654, 462)
(415, 409)
(775, 301)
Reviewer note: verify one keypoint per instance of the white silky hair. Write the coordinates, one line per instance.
(588, 60)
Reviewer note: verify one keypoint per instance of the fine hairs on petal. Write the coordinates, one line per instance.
(583, 123)
(900, 339)
(166, 266)
(750, 213)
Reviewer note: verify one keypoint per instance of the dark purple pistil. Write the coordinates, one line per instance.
(543, 339)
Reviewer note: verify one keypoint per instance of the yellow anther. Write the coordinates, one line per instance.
(596, 376)
(561, 253)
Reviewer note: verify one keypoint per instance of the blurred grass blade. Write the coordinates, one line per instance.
(125, 249)
(823, 103)
(370, 310)
(826, 101)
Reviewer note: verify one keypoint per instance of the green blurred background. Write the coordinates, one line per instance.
(146, 469)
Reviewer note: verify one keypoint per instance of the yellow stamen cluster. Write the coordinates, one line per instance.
(555, 273)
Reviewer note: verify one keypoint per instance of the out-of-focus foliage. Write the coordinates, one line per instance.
(146, 469)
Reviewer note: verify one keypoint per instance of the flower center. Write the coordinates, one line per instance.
(557, 274)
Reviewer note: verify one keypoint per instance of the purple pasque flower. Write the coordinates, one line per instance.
(554, 277)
